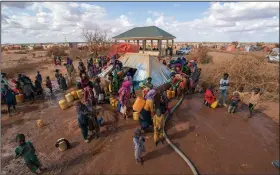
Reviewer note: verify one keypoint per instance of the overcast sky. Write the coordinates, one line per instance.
(39, 22)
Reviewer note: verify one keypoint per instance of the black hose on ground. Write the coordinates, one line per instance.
(181, 154)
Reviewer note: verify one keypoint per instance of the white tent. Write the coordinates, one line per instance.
(146, 65)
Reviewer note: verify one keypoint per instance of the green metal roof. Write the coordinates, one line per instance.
(145, 32)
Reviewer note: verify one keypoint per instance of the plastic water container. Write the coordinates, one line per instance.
(63, 104)
(80, 93)
(69, 104)
(214, 104)
(169, 94)
(40, 123)
(136, 116)
(19, 98)
(173, 93)
(113, 102)
(75, 95)
(62, 146)
(116, 103)
(139, 104)
(111, 99)
(110, 87)
(69, 98)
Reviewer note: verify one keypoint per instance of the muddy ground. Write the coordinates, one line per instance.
(215, 141)
(222, 143)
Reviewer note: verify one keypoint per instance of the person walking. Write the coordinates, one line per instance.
(62, 82)
(158, 121)
(39, 77)
(10, 98)
(49, 84)
(27, 151)
(57, 76)
(254, 100)
(124, 97)
(83, 113)
(28, 91)
(139, 146)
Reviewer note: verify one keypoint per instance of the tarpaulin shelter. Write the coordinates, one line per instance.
(248, 48)
(230, 48)
(147, 66)
(123, 48)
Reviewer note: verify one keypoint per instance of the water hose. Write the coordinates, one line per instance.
(181, 154)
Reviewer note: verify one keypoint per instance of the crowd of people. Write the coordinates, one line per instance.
(184, 79)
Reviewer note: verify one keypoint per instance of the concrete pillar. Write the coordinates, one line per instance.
(144, 45)
(167, 43)
(172, 44)
(160, 47)
(151, 44)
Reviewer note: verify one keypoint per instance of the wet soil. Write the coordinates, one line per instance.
(221, 143)
(112, 153)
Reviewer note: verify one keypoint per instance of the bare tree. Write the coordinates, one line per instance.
(97, 40)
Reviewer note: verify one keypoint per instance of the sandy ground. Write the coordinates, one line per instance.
(113, 152)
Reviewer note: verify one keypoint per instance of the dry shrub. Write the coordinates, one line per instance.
(75, 52)
(57, 51)
(202, 55)
(21, 52)
(246, 71)
(38, 48)
(23, 67)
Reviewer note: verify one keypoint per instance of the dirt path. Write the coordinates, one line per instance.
(220, 143)
(112, 153)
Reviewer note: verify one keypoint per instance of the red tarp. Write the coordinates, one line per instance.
(123, 48)
(230, 48)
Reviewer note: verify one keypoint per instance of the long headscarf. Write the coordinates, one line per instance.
(151, 94)
(125, 86)
(69, 61)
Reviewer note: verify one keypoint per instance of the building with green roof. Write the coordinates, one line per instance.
(143, 34)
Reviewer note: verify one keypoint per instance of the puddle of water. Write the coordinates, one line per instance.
(52, 99)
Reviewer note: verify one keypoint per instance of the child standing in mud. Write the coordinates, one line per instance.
(27, 151)
(224, 83)
(139, 146)
(158, 121)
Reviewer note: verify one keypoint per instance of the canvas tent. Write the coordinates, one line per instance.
(147, 66)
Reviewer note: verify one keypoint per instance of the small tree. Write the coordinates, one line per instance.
(97, 40)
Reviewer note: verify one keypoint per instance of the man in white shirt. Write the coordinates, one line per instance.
(224, 83)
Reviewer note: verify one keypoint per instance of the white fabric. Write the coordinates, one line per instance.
(223, 81)
(101, 97)
(146, 65)
(123, 109)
